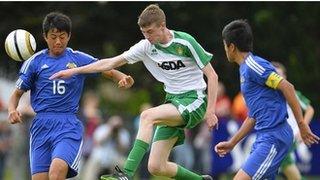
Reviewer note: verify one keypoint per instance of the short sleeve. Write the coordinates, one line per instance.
(273, 80)
(263, 73)
(85, 59)
(201, 56)
(26, 75)
(136, 53)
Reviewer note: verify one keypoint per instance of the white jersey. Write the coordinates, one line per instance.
(177, 64)
(304, 103)
(292, 121)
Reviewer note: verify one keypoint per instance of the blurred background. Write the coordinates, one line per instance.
(287, 32)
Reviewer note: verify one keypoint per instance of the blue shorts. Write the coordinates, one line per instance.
(270, 147)
(55, 135)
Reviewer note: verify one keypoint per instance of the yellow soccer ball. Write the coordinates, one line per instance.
(20, 45)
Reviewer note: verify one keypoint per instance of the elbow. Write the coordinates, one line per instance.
(310, 110)
(290, 86)
(287, 86)
(214, 76)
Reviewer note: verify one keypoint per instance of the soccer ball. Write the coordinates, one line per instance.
(20, 45)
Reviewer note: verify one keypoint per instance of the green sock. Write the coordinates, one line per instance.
(135, 156)
(185, 174)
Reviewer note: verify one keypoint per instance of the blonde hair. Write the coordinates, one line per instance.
(151, 14)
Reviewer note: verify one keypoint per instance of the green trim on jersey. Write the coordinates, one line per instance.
(185, 45)
(175, 48)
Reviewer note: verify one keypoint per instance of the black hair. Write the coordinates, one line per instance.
(239, 33)
(56, 20)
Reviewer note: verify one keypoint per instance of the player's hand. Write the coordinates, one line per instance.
(126, 82)
(64, 74)
(306, 134)
(222, 148)
(14, 117)
(211, 120)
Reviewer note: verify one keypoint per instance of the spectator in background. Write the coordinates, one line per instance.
(223, 112)
(111, 142)
(20, 140)
(5, 141)
(1, 105)
(143, 174)
(184, 154)
(239, 108)
(223, 104)
(288, 165)
(91, 117)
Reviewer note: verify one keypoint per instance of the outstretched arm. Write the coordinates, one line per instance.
(14, 116)
(99, 66)
(225, 147)
(289, 93)
(210, 117)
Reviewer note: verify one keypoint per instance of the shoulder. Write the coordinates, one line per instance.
(78, 54)
(141, 46)
(182, 35)
(185, 39)
(143, 43)
(258, 65)
(38, 55)
(33, 60)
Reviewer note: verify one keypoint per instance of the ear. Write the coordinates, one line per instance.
(232, 47)
(44, 36)
(69, 36)
(163, 25)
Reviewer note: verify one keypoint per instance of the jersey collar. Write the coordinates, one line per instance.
(170, 42)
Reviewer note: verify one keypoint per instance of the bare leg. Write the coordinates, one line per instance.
(292, 172)
(158, 161)
(40, 176)
(241, 175)
(166, 114)
(58, 169)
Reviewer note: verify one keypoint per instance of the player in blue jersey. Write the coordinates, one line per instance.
(55, 133)
(266, 94)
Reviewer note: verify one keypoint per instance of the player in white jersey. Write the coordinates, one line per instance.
(178, 61)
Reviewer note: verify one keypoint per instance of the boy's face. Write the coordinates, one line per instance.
(154, 33)
(57, 41)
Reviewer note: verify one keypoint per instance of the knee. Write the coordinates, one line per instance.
(58, 170)
(155, 168)
(54, 175)
(146, 118)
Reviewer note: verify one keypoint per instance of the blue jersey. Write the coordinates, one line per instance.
(258, 84)
(58, 95)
